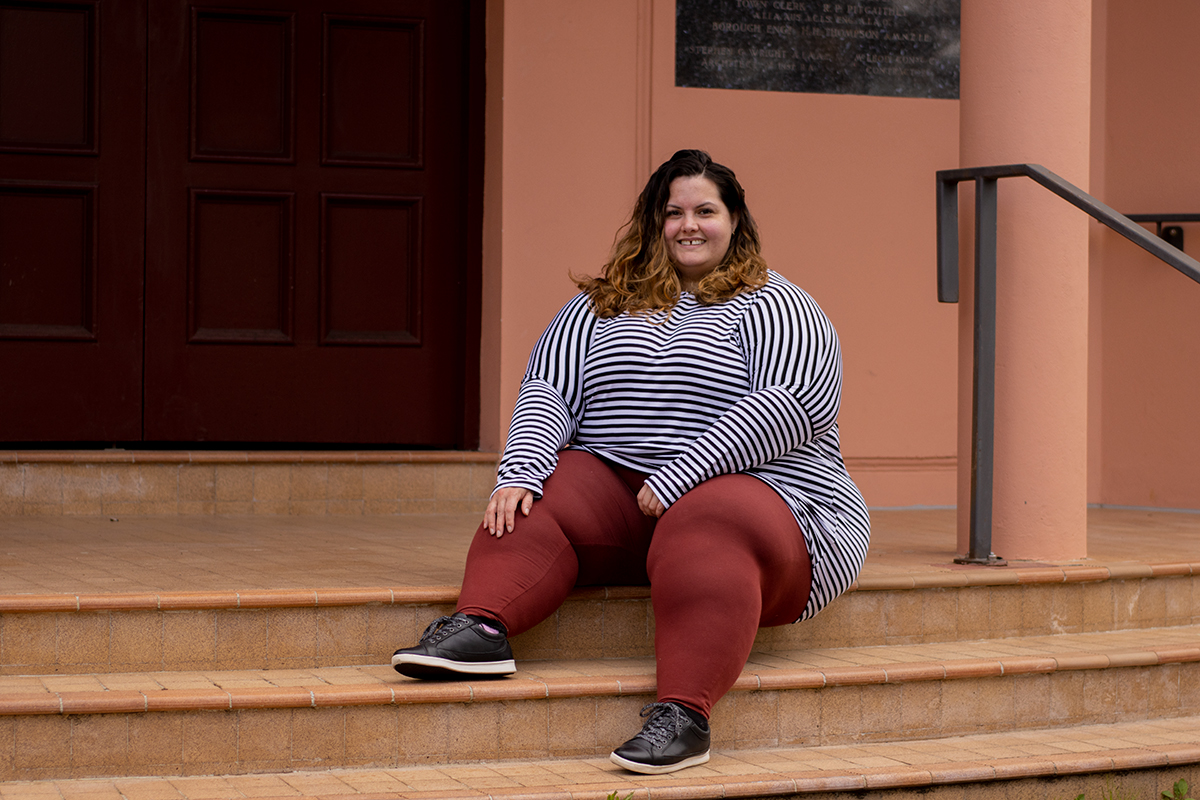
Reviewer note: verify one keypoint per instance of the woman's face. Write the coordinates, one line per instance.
(697, 228)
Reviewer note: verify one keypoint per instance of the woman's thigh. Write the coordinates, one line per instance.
(596, 509)
(736, 531)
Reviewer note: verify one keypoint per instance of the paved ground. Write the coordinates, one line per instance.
(84, 555)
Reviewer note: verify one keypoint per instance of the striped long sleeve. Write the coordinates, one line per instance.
(550, 403)
(795, 369)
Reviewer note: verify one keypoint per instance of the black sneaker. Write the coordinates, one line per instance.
(670, 740)
(455, 647)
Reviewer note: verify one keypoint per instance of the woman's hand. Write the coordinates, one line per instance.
(501, 512)
(650, 505)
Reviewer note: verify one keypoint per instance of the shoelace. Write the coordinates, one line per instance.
(442, 627)
(664, 723)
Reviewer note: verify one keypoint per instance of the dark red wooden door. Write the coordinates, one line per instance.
(72, 126)
(309, 231)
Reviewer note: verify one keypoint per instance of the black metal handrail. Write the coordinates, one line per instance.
(983, 402)
(1159, 219)
(1174, 233)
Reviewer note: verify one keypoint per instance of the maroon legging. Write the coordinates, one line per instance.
(724, 560)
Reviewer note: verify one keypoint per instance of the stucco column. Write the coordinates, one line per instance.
(1025, 98)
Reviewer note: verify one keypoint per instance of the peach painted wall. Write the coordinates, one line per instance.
(1026, 78)
(561, 116)
(842, 188)
(1150, 425)
(1097, 234)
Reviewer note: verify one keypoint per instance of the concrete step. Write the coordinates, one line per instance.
(1125, 759)
(228, 722)
(293, 628)
(196, 645)
(289, 482)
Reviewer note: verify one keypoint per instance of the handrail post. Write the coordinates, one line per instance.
(947, 240)
(983, 396)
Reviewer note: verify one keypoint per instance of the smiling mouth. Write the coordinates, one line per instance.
(690, 242)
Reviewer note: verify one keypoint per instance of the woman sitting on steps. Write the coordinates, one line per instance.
(676, 427)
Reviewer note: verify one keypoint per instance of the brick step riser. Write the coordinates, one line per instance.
(279, 739)
(277, 483)
(1106, 773)
(302, 637)
(1146, 783)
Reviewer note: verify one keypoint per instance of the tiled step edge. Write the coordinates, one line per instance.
(316, 598)
(885, 777)
(1015, 574)
(412, 692)
(877, 779)
(270, 598)
(978, 773)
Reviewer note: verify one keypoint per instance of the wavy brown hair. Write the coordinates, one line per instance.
(639, 276)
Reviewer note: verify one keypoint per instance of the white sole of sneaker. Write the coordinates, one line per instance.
(658, 769)
(504, 667)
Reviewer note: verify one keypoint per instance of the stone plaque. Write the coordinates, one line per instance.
(891, 48)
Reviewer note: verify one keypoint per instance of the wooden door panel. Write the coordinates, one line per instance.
(241, 267)
(71, 219)
(242, 76)
(47, 263)
(370, 270)
(372, 114)
(49, 72)
(307, 273)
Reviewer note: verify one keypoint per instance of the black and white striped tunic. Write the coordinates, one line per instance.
(751, 385)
